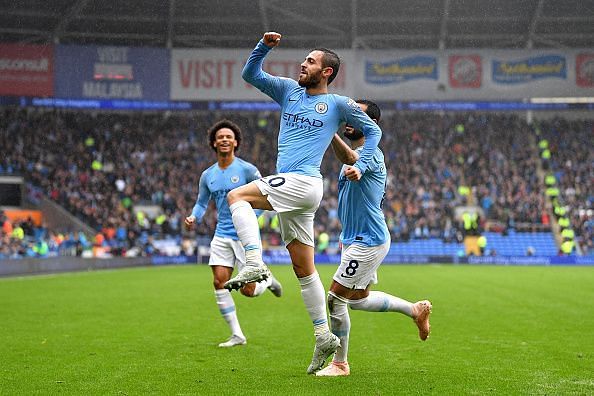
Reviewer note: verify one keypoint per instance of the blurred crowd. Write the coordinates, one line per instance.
(567, 155)
(24, 238)
(134, 177)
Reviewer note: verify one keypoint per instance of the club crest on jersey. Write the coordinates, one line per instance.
(234, 179)
(321, 107)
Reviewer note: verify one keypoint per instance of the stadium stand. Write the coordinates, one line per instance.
(571, 162)
(107, 166)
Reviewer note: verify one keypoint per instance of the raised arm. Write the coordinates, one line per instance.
(252, 73)
(343, 152)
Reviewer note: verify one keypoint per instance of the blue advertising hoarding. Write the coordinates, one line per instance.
(141, 105)
(529, 69)
(107, 72)
(281, 257)
(401, 70)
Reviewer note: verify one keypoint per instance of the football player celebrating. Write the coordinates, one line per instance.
(226, 251)
(365, 242)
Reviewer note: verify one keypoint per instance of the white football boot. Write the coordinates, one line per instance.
(326, 345)
(250, 273)
(275, 287)
(234, 340)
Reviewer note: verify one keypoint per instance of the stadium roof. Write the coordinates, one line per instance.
(304, 24)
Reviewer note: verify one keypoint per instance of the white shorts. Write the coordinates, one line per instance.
(295, 198)
(226, 252)
(359, 264)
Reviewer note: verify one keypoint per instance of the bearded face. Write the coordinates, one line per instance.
(310, 78)
(311, 70)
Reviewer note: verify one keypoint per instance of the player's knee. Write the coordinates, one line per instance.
(233, 196)
(218, 283)
(357, 304)
(331, 299)
(336, 305)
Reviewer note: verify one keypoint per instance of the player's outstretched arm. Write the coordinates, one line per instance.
(343, 152)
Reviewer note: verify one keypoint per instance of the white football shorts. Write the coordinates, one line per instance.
(226, 252)
(359, 264)
(295, 198)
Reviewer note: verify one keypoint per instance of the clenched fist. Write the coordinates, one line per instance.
(352, 173)
(271, 39)
(189, 222)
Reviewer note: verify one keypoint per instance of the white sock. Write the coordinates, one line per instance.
(248, 231)
(262, 286)
(227, 307)
(341, 324)
(312, 292)
(378, 301)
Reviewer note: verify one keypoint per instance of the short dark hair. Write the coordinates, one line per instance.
(373, 110)
(212, 132)
(330, 59)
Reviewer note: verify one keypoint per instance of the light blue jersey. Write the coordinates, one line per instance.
(308, 123)
(215, 183)
(360, 204)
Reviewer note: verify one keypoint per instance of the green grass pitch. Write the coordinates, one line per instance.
(495, 330)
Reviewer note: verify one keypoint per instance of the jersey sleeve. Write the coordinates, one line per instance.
(202, 200)
(275, 87)
(252, 173)
(353, 115)
(375, 162)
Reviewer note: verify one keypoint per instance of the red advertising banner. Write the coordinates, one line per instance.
(465, 71)
(26, 70)
(584, 70)
(215, 74)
